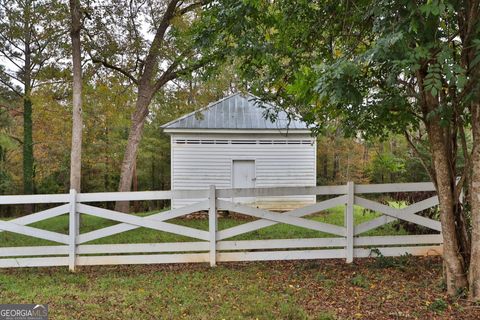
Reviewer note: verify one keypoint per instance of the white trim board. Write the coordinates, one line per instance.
(262, 131)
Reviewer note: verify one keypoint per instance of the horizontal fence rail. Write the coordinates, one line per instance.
(213, 245)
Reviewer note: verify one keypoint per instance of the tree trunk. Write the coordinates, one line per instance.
(456, 279)
(27, 145)
(365, 155)
(336, 165)
(382, 174)
(27, 112)
(136, 204)
(134, 137)
(474, 271)
(76, 152)
(325, 167)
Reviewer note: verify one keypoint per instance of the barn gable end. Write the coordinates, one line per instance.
(231, 144)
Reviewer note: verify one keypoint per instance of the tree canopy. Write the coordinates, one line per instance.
(374, 68)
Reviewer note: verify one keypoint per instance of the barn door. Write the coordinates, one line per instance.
(243, 176)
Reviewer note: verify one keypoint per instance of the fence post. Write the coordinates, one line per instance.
(349, 223)
(212, 225)
(73, 230)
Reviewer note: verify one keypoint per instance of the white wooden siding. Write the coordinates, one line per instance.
(196, 165)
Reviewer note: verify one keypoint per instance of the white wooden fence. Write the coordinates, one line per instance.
(213, 245)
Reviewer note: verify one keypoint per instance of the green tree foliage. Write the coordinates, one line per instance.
(378, 67)
(151, 44)
(7, 139)
(30, 32)
(108, 102)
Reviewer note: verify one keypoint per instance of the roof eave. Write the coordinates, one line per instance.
(239, 131)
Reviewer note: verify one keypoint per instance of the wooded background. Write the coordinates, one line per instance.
(391, 89)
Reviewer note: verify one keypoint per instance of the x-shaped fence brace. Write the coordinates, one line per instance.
(391, 214)
(131, 222)
(266, 218)
(269, 218)
(19, 225)
(128, 222)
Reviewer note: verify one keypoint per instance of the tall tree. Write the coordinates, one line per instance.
(77, 122)
(469, 32)
(397, 66)
(29, 30)
(150, 43)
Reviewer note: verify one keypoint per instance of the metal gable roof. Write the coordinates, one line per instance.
(237, 111)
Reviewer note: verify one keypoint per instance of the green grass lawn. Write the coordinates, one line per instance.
(405, 287)
(322, 290)
(144, 235)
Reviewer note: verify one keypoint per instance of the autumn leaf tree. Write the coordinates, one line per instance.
(150, 43)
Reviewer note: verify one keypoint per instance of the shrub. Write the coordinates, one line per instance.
(438, 306)
(360, 281)
(382, 262)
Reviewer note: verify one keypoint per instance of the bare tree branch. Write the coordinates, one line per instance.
(8, 74)
(158, 39)
(132, 14)
(15, 138)
(18, 93)
(429, 169)
(9, 57)
(171, 73)
(193, 6)
(13, 44)
(37, 66)
(108, 65)
(166, 74)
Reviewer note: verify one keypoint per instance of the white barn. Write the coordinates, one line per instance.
(230, 144)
